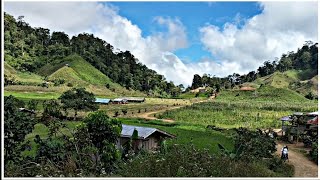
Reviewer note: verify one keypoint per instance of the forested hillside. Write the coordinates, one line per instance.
(29, 49)
(294, 70)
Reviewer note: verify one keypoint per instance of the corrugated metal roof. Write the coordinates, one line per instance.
(119, 99)
(143, 132)
(101, 100)
(133, 98)
(313, 113)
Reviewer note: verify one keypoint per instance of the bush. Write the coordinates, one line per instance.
(17, 125)
(254, 144)
(186, 161)
(58, 82)
(314, 152)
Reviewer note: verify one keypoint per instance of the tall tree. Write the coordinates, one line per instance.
(78, 99)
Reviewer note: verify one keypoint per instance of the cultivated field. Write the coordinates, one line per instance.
(233, 109)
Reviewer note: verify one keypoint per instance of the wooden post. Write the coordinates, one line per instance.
(282, 128)
(298, 134)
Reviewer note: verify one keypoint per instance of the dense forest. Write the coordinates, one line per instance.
(306, 58)
(29, 49)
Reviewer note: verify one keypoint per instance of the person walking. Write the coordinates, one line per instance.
(284, 153)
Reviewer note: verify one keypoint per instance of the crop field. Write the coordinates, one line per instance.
(234, 109)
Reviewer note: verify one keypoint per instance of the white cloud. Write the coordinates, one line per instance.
(281, 27)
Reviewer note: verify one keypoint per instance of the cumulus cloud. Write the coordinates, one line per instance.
(281, 27)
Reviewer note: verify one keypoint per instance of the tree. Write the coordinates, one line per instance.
(78, 99)
(103, 132)
(196, 82)
(17, 125)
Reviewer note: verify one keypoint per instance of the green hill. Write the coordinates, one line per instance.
(74, 71)
(264, 93)
(25, 78)
(300, 81)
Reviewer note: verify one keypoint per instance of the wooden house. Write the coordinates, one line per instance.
(148, 138)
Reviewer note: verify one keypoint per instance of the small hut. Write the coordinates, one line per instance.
(148, 138)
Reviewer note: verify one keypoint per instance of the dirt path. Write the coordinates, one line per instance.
(302, 165)
(148, 115)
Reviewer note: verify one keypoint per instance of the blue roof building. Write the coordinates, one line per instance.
(102, 101)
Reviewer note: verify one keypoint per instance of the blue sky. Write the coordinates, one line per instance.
(192, 14)
(180, 39)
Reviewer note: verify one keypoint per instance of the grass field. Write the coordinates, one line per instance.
(232, 109)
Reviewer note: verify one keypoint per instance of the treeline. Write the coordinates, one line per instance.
(28, 49)
(306, 58)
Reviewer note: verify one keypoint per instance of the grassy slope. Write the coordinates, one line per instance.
(23, 77)
(80, 73)
(289, 79)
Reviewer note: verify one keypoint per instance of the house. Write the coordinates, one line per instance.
(298, 123)
(119, 101)
(148, 138)
(199, 90)
(102, 101)
(312, 120)
(134, 99)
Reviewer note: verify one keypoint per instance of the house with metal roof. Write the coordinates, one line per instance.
(102, 101)
(148, 138)
(119, 101)
(134, 99)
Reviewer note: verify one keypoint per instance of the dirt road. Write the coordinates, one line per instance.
(302, 165)
(149, 115)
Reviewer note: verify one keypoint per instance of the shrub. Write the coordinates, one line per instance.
(254, 144)
(314, 152)
(58, 82)
(17, 125)
(187, 161)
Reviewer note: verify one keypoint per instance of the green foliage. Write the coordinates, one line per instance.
(254, 144)
(9, 80)
(32, 105)
(51, 109)
(78, 99)
(314, 152)
(17, 125)
(103, 133)
(187, 161)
